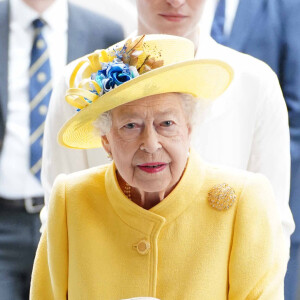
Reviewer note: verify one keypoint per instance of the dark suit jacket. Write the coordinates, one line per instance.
(87, 32)
(270, 31)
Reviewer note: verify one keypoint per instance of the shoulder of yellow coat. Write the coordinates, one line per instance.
(83, 179)
(80, 183)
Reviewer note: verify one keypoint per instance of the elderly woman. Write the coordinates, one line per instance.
(157, 221)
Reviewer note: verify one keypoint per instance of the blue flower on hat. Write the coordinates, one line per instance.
(113, 74)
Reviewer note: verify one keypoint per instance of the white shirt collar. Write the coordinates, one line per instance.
(21, 14)
(56, 16)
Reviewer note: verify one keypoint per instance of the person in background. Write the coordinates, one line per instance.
(269, 30)
(37, 39)
(241, 129)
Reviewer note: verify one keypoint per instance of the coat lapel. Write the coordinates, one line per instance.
(4, 31)
(247, 12)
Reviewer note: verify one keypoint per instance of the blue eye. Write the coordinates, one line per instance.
(130, 126)
(167, 123)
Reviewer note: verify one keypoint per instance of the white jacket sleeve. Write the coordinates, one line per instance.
(270, 153)
(56, 158)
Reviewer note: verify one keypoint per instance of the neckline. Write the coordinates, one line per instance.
(164, 212)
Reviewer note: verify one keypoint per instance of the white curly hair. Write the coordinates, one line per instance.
(191, 106)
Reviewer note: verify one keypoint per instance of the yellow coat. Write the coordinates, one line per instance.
(100, 245)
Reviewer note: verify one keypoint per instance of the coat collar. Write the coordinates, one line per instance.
(244, 21)
(4, 31)
(166, 211)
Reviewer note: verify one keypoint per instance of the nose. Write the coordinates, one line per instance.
(176, 3)
(150, 140)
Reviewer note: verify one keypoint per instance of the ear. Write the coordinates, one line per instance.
(106, 144)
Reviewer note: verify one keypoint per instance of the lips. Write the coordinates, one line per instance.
(153, 167)
(173, 17)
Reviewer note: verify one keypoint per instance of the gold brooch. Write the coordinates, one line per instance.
(221, 196)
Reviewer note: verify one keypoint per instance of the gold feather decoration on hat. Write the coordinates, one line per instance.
(132, 50)
(149, 64)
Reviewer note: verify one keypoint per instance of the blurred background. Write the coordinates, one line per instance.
(122, 11)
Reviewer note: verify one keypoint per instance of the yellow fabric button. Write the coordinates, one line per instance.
(142, 247)
(221, 196)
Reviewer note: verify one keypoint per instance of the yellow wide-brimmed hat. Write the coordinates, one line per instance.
(134, 69)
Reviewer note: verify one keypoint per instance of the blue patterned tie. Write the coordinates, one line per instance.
(39, 94)
(217, 29)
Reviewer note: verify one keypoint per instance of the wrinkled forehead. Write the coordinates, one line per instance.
(156, 105)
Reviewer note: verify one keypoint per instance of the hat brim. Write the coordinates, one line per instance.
(204, 79)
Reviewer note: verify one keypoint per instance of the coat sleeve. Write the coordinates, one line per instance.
(258, 256)
(270, 152)
(290, 78)
(66, 160)
(57, 159)
(50, 271)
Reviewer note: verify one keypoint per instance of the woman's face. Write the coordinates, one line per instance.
(149, 142)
